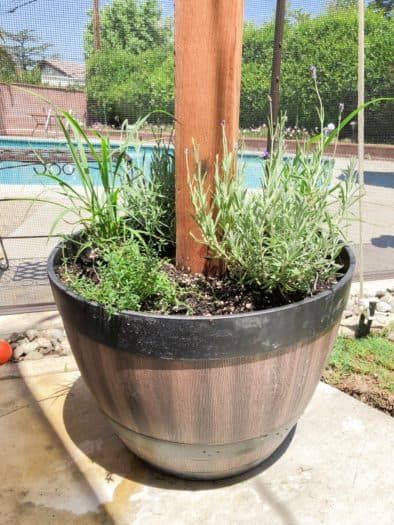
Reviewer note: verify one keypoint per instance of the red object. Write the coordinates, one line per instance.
(5, 352)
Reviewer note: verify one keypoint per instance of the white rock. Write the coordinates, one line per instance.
(350, 322)
(383, 307)
(66, 349)
(63, 348)
(32, 334)
(379, 322)
(16, 336)
(390, 336)
(25, 349)
(43, 343)
(345, 331)
(19, 342)
(54, 333)
(34, 356)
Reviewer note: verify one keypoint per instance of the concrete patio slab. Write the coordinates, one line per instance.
(62, 464)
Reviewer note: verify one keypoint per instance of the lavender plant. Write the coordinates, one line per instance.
(287, 236)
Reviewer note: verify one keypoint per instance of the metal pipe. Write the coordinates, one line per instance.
(360, 131)
(276, 63)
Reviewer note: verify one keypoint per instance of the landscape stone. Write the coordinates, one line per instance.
(383, 307)
(65, 348)
(19, 342)
(390, 336)
(347, 332)
(54, 333)
(350, 321)
(32, 334)
(34, 356)
(15, 337)
(25, 349)
(44, 343)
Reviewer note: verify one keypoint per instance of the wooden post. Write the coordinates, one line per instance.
(208, 49)
(96, 25)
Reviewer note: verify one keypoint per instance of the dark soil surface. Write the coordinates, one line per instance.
(199, 294)
(203, 295)
(364, 388)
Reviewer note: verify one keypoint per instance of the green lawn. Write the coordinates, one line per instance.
(364, 368)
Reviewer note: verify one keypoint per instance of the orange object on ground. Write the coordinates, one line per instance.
(5, 351)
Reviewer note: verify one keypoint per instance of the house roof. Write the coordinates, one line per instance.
(70, 69)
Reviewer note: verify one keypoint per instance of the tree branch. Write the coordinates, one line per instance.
(18, 6)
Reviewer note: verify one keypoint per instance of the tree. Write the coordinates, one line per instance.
(19, 5)
(340, 4)
(328, 41)
(387, 6)
(132, 25)
(7, 65)
(25, 48)
(119, 88)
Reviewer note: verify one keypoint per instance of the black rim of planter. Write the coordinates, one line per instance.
(182, 337)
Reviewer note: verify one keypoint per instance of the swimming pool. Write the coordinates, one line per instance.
(21, 173)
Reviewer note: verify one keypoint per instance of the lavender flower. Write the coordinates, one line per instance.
(265, 155)
(313, 72)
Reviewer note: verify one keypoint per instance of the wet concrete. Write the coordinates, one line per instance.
(62, 464)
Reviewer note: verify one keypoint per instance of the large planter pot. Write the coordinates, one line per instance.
(203, 397)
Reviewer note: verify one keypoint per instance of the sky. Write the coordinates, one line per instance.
(61, 22)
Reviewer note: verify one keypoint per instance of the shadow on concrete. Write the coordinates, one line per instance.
(380, 179)
(383, 241)
(37, 467)
(93, 435)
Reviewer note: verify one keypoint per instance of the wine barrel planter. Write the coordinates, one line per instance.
(203, 397)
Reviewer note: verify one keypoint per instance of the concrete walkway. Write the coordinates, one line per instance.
(62, 464)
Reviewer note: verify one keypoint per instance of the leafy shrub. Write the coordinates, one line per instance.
(126, 278)
(126, 84)
(121, 85)
(328, 40)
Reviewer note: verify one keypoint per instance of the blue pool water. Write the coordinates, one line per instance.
(28, 174)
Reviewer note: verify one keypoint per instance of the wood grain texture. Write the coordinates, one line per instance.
(208, 48)
(202, 402)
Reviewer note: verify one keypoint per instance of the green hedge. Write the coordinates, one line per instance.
(124, 85)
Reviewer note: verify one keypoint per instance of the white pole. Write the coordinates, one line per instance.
(360, 88)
